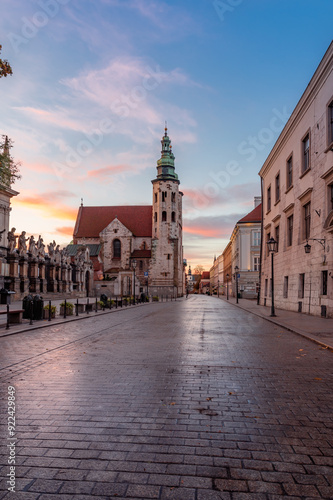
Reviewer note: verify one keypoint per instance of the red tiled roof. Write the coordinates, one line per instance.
(205, 275)
(92, 220)
(141, 254)
(254, 216)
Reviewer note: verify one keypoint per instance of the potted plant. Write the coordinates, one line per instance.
(69, 308)
(155, 298)
(46, 311)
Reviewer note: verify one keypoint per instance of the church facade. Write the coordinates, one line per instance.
(138, 249)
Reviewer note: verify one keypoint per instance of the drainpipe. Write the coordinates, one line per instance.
(261, 236)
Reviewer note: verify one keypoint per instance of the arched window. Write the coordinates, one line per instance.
(116, 249)
(144, 246)
(173, 197)
(141, 264)
(173, 216)
(164, 216)
(155, 217)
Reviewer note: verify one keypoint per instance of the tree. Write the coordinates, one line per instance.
(9, 169)
(5, 68)
(198, 269)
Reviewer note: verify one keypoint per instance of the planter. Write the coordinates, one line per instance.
(69, 311)
(46, 314)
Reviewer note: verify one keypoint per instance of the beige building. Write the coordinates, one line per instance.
(140, 246)
(297, 188)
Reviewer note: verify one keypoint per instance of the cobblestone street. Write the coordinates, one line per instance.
(187, 400)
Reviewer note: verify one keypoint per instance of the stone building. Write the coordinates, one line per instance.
(245, 248)
(297, 187)
(140, 246)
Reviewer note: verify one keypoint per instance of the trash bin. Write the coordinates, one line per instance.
(38, 307)
(104, 299)
(26, 306)
(4, 294)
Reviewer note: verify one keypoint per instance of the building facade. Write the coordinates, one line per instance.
(297, 188)
(141, 246)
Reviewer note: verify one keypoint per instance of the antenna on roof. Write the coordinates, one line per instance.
(81, 202)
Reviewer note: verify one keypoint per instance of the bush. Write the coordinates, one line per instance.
(53, 308)
(69, 308)
(155, 298)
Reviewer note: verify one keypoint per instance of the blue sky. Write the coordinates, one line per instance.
(94, 82)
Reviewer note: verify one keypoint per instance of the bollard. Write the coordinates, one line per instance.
(7, 324)
(87, 306)
(65, 315)
(116, 302)
(49, 311)
(110, 303)
(96, 306)
(77, 307)
(31, 311)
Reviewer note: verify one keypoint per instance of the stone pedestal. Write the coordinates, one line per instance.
(52, 282)
(33, 276)
(24, 279)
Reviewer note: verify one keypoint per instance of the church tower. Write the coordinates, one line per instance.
(166, 273)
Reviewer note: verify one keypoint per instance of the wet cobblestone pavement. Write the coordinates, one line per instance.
(186, 400)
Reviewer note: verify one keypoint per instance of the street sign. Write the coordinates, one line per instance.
(238, 276)
(146, 274)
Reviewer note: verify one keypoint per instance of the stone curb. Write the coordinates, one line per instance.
(282, 325)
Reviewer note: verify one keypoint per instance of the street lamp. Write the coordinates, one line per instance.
(134, 266)
(272, 248)
(227, 287)
(236, 274)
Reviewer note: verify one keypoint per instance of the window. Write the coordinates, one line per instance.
(285, 287)
(141, 265)
(144, 245)
(173, 216)
(256, 263)
(330, 123)
(164, 195)
(164, 216)
(306, 153)
(289, 172)
(168, 256)
(116, 249)
(290, 226)
(269, 199)
(307, 220)
(173, 197)
(266, 286)
(301, 279)
(256, 238)
(330, 197)
(268, 237)
(277, 188)
(155, 197)
(277, 237)
(155, 217)
(324, 275)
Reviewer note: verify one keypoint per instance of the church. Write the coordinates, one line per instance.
(138, 249)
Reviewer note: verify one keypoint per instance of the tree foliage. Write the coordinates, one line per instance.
(9, 169)
(198, 269)
(5, 68)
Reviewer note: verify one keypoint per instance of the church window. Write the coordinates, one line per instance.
(173, 216)
(116, 249)
(168, 256)
(141, 265)
(155, 217)
(155, 197)
(144, 245)
(164, 195)
(173, 197)
(164, 216)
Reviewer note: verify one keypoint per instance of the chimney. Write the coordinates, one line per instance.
(257, 201)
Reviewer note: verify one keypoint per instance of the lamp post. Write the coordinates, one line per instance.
(272, 248)
(134, 266)
(236, 274)
(227, 287)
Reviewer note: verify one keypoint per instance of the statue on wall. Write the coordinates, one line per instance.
(22, 243)
(51, 248)
(32, 246)
(12, 240)
(57, 254)
(40, 247)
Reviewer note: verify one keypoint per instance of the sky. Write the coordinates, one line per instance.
(94, 82)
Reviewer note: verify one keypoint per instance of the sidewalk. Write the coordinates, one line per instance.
(26, 327)
(319, 330)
